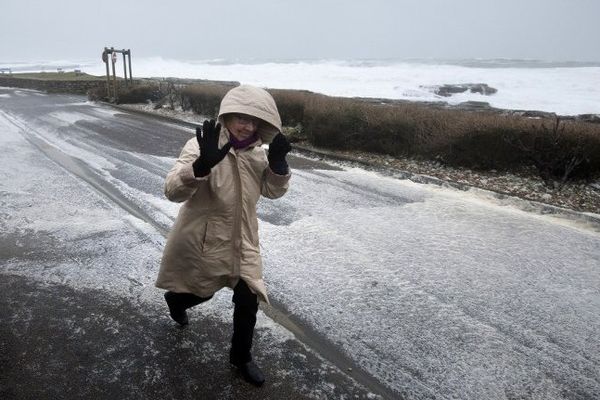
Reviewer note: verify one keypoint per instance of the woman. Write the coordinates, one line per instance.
(220, 176)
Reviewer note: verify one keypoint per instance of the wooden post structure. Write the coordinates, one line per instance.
(112, 54)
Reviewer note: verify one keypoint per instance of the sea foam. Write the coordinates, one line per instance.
(563, 88)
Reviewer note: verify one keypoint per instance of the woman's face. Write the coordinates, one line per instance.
(241, 126)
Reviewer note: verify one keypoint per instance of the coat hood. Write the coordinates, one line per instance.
(257, 102)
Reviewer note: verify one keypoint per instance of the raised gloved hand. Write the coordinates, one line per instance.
(278, 149)
(210, 154)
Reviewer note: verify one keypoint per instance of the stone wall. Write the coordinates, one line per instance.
(55, 86)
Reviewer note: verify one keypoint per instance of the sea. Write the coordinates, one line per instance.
(565, 88)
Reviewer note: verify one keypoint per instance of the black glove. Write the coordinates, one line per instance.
(210, 154)
(278, 148)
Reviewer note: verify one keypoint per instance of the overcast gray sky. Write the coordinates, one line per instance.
(555, 30)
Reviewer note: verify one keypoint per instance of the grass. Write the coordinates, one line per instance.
(56, 76)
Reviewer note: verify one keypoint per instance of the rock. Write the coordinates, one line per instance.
(448, 90)
(591, 118)
(473, 105)
(531, 113)
(594, 118)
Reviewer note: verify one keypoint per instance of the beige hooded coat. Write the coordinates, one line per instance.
(214, 241)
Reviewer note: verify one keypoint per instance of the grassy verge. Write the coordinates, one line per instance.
(56, 76)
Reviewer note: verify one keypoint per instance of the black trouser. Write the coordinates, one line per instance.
(244, 318)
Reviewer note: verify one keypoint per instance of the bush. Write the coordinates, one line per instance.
(476, 140)
(291, 105)
(205, 99)
(97, 94)
(139, 94)
(480, 140)
(559, 150)
(482, 149)
(356, 124)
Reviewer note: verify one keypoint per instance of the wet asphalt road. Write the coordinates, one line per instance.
(61, 342)
(435, 293)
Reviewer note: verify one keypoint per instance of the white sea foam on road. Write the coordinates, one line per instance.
(56, 229)
(430, 290)
(90, 242)
(437, 290)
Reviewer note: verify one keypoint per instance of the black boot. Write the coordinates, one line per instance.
(249, 370)
(176, 309)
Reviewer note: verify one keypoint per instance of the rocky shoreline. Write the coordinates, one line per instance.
(524, 184)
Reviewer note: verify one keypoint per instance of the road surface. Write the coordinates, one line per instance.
(395, 289)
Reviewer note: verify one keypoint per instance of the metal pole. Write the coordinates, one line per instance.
(129, 56)
(125, 68)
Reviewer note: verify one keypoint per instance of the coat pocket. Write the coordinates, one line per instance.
(205, 233)
(216, 237)
(206, 239)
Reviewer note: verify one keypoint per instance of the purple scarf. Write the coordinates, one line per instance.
(241, 144)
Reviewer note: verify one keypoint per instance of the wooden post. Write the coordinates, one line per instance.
(105, 59)
(114, 73)
(129, 56)
(125, 68)
(112, 55)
